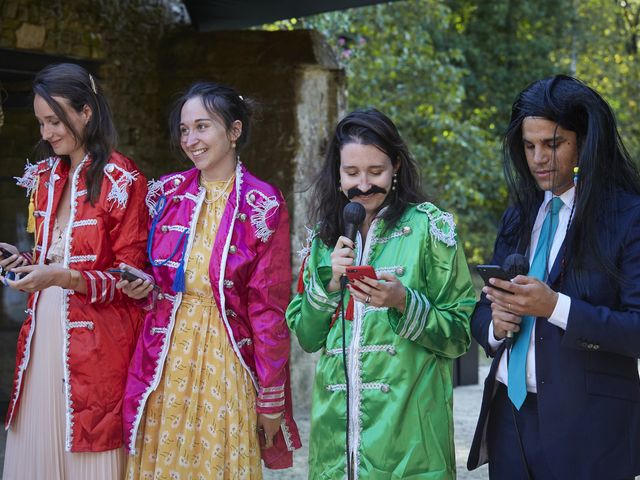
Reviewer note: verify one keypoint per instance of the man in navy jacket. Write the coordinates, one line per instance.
(579, 417)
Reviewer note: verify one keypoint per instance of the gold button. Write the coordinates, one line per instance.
(233, 249)
(406, 230)
(243, 217)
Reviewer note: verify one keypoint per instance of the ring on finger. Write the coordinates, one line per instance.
(368, 299)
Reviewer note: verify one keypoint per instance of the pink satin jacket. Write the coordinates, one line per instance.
(250, 276)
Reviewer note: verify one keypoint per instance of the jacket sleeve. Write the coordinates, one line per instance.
(616, 328)
(438, 316)
(309, 314)
(268, 294)
(127, 232)
(481, 318)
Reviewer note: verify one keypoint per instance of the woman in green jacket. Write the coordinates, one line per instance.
(403, 329)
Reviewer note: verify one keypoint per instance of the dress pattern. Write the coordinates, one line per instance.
(200, 422)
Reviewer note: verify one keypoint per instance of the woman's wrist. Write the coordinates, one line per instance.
(69, 279)
(333, 285)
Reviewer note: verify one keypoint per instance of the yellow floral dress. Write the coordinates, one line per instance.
(200, 423)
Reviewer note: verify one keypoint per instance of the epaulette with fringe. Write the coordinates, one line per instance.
(441, 224)
(156, 189)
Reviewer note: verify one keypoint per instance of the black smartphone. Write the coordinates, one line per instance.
(493, 271)
(127, 275)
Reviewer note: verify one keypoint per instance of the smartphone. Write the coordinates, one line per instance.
(127, 275)
(359, 272)
(493, 271)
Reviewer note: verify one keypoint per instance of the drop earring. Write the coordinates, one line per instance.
(394, 183)
(576, 171)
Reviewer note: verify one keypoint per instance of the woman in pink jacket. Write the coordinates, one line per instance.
(208, 387)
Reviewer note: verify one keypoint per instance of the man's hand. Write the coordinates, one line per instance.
(503, 322)
(522, 296)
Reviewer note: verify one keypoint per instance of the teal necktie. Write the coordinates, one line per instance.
(517, 370)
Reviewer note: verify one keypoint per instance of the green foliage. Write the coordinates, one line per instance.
(447, 71)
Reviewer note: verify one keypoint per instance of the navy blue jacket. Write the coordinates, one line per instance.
(587, 376)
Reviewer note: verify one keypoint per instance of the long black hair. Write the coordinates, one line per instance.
(219, 100)
(365, 127)
(604, 163)
(99, 137)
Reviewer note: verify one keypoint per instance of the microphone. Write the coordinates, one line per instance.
(353, 215)
(515, 264)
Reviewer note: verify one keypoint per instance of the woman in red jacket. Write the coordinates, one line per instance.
(87, 214)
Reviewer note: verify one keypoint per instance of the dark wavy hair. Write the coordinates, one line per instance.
(604, 163)
(365, 127)
(99, 137)
(219, 100)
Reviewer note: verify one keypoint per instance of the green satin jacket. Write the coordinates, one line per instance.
(400, 365)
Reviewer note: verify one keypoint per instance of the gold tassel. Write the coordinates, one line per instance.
(31, 221)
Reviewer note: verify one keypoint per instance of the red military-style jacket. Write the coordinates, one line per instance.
(101, 326)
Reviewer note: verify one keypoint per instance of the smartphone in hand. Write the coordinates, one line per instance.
(129, 276)
(493, 271)
(359, 272)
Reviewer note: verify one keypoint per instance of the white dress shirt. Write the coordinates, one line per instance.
(560, 314)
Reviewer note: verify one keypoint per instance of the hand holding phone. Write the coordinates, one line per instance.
(5, 265)
(130, 276)
(493, 271)
(359, 272)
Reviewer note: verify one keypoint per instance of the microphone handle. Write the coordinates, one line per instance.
(350, 231)
(509, 338)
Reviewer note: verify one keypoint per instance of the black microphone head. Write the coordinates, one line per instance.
(516, 264)
(353, 213)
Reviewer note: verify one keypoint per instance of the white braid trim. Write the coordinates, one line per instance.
(119, 188)
(28, 179)
(263, 208)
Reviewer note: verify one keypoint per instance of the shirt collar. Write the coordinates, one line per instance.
(567, 198)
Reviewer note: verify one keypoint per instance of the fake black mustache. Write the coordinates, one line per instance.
(355, 191)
